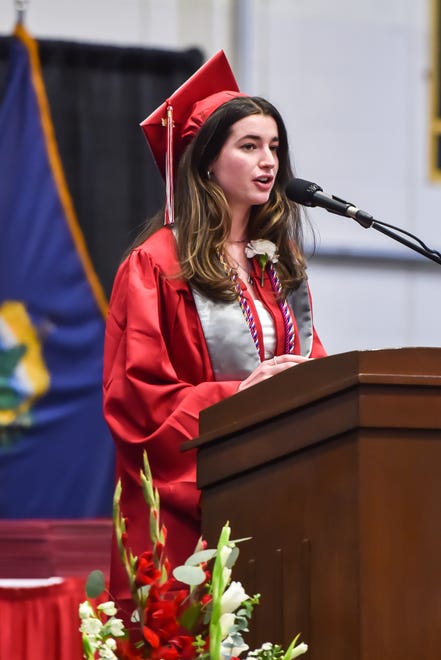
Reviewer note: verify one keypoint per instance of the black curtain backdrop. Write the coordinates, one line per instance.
(98, 95)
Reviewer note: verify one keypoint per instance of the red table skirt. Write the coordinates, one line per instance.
(41, 623)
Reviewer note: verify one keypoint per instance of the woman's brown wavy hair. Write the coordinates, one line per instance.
(202, 215)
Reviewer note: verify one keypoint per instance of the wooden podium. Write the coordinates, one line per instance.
(334, 469)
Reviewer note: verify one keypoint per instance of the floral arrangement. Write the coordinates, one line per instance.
(204, 620)
(264, 251)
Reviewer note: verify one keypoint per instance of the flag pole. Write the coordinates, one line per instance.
(20, 10)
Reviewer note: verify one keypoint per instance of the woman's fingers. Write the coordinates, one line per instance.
(288, 358)
(271, 367)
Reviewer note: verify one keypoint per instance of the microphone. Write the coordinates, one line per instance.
(308, 193)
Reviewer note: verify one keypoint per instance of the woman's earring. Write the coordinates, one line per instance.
(209, 175)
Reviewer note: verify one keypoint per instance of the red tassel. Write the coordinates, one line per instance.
(169, 217)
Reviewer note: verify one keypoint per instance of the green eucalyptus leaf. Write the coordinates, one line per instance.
(190, 616)
(95, 584)
(191, 575)
(207, 617)
(232, 558)
(201, 557)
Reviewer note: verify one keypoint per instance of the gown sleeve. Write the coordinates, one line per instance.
(157, 373)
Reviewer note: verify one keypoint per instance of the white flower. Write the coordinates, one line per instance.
(111, 643)
(263, 247)
(85, 610)
(114, 627)
(91, 626)
(106, 652)
(225, 553)
(299, 650)
(226, 623)
(233, 597)
(226, 575)
(264, 251)
(135, 618)
(108, 608)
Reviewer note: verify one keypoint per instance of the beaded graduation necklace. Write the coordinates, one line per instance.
(247, 311)
(284, 308)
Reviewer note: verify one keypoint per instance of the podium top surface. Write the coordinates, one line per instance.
(312, 381)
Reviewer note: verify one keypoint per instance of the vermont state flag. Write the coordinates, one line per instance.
(56, 454)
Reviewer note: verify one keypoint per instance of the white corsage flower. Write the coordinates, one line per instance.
(262, 247)
(264, 251)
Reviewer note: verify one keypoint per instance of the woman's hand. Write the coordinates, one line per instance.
(271, 367)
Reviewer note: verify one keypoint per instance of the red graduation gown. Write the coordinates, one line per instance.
(157, 378)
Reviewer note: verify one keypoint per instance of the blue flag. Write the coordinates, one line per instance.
(56, 454)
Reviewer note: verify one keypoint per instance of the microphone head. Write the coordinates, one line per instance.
(302, 192)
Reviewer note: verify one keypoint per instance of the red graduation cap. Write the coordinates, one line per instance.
(171, 127)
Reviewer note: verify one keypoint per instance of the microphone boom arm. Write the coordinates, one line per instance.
(421, 249)
(367, 221)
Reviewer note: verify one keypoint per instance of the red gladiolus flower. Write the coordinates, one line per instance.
(167, 652)
(186, 649)
(151, 637)
(146, 571)
(161, 616)
(160, 554)
(127, 651)
(162, 619)
(180, 647)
